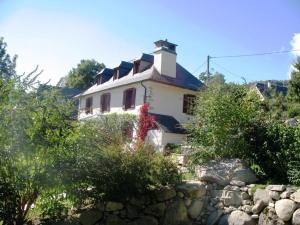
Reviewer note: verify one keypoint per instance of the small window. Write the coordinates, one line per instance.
(189, 102)
(99, 79)
(89, 105)
(116, 74)
(129, 99)
(136, 67)
(105, 102)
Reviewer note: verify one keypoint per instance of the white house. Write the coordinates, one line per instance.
(156, 79)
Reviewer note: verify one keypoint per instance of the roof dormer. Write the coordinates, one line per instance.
(104, 75)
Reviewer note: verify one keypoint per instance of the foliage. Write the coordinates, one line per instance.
(221, 115)
(172, 148)
(82, 77)
(145, 122)
(7, 63)
(213, 79)
(100, 170)
(294, 84)
(231, 121)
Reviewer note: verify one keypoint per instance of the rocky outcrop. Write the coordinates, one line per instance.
(225, 171)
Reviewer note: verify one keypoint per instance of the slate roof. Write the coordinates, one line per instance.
(168, 123)
(264, 90)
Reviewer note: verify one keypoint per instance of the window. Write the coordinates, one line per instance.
(116, 74)
(105, 102)
(136, 67)
(89, 105)
(129, 99)
(99, 79)
(189, 102)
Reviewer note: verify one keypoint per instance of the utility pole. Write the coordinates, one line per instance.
(207, 70)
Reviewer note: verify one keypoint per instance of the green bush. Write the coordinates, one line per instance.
(114, 173)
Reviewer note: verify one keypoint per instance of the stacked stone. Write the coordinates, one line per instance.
(183, 204)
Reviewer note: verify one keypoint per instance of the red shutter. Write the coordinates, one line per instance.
(185, 104)
(102, 103)
(108, 102)
(124, 99)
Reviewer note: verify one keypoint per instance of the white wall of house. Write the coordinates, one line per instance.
(116, 101)
(167, 100)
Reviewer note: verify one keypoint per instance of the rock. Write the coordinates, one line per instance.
(247, 208)
(240, 218)
(246, 202)
(157, 210)
(279, 188)
(145, 220)
(237, 183)
(296, 196)
(274, 195)
(137, 201)
(261, 194)
(192, 189)
(231, 198)
(244, 196)
(187, 202)
(113, 206)
(180, 194)
(90, 217)
(176, 214)
(165, 193)
(293, 122)
(214, 217)
(255, 216)
(222, 172)
(296, 217)
(269, 217)
(132, 211)
(285, 194)
(258, 207)
(224, 220)
(195, 208)
(114, 220)
(285, 208)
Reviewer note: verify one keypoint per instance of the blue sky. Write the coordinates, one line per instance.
(56, 34)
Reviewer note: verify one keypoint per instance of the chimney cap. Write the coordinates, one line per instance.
(165, 44)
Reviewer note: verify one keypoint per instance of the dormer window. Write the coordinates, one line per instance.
(136, 66)
(99, 79)
(116, 74)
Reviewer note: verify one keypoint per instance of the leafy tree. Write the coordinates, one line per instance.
(33, 131)
(82, 77)
(294, 91)
(7, 63)
(213, 79)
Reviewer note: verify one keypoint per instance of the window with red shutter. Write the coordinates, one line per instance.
(189, 102)
(105, 102)
(129, 98)
(89, 105)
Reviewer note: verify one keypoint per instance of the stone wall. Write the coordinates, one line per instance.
(201, 203)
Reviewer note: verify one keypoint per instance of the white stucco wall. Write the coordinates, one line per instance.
(167, 100)
(116, 101)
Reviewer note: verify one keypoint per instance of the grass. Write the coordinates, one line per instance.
(258, 186)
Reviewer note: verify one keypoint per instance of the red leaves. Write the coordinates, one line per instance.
(145, 122)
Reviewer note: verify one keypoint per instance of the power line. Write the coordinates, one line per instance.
(234, 74)
(199, 67)
(254, 54)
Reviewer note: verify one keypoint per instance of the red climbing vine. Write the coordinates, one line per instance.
(145, 122)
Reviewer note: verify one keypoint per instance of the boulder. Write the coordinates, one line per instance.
(214, 217)
(261, 194)
(274, 195)
(258, 207)
(157, 210)
(195, 208)
(237, 183)
(296, 196)
(165, 193)
(285, 208)
(113, 206)
(285, 194)
(145, 220)
(238, 217)
(90, 217)
(279, 188)
(296, 217)
(176, 214)
(114, 220)
(269, 217)
(192, 189)
(132, 211)
(224, 220)
(231, 198)
(224, 171)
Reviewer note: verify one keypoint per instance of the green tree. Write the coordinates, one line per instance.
(213, 79)
(294, 91)
(82, 77)
(7, 63)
